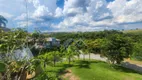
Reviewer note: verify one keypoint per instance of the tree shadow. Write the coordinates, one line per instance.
(82, 64)
(62, 70)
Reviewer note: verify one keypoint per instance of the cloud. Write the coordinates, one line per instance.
(36, 3)
(98, 10)
(58, 12)
(6, 15)
(40, 12)
(99, 14)
(125, 11)
(73, 7)
(21, 17)
(24, 23)
(75, 15)
(85, 14)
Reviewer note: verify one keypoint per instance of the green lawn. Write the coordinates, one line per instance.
(97, 70)
(89, 70)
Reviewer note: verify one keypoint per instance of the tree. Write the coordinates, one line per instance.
(70, 52)
(51, 57)
(3, 21)
(12, 40)
(81, 47)
(9, 42)
(118, 47)
(137, 51)
(96, 46)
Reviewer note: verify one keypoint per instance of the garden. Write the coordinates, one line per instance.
(56, 56)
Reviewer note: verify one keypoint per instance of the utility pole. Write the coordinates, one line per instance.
(27, 15)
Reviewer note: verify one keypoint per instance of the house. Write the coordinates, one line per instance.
(47, 43)
(52, 42)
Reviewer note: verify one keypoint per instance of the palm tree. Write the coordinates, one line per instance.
(3, 21)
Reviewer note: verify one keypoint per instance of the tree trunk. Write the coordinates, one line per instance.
(61, 61)
(83, 56)
(22, 74)
(89, 56)
(69, 60)
(44, 64)
(113, 62)
(78, 57)
(54, 61)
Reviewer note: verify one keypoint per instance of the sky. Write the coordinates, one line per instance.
(72, 15)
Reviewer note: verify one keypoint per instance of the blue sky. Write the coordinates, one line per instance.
(73, 15)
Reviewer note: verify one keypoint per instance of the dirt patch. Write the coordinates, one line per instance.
(69, 75)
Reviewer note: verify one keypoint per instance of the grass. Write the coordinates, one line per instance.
(52, 73)
(90, 70)
(97, 70)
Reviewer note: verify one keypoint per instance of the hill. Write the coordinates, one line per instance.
(139, 31)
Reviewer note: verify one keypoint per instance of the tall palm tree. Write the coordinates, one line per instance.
(3, 21)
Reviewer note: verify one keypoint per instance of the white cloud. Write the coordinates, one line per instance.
(75, 15)
(58, 12)
(36, 3)
(85, 14)
(42, 11)
(39, 12)
(98, 14)
(125, 11)
(24, 23)
(97, 9)
(6, 15)
(73, 7)
(21, 17)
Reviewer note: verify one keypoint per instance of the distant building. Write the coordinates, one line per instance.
(52, 42)
(47, 43)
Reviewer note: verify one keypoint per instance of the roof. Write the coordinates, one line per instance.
(57, 39)
(51, 39)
